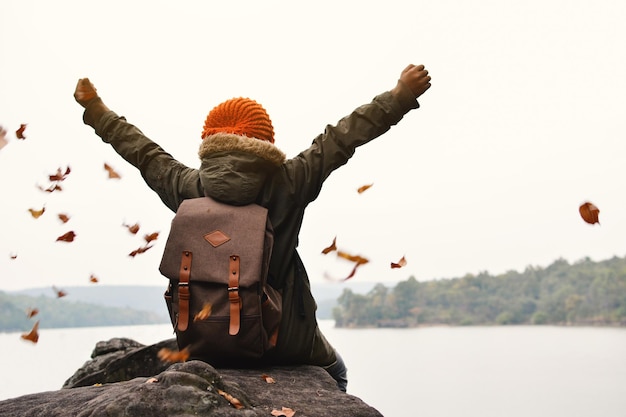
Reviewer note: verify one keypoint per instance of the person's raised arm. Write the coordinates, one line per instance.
(415, 78)
(86, 95)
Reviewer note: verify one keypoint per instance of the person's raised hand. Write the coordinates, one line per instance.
(416, 78)
(85, 92)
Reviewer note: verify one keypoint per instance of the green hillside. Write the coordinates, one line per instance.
(584, 293)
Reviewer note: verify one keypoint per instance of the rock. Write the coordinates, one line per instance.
(125, 378)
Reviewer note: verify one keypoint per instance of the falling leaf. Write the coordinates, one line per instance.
(286, 412)
(139, 250)
(205, 313)
(168, 355)
(67, 237)
(589, 213)
(152, 236)
(58, 292)
(352, 273)
(64, 217)
(111, 171)
(3, 135)
(31, 312)
(20, 132)
(232, 400)
(33, 335)
(332, 247)
(132, 228)
(353, 258)
(60, 175)
(37, 213)
(51, 189)
(399, 264)
(13, 256)
(93, 279)
(151, 380)
(268, 379)
(363, 188)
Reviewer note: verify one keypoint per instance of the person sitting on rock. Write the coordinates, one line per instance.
(239, 164)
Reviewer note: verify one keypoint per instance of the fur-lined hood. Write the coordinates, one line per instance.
(228, 142)
(234, 168)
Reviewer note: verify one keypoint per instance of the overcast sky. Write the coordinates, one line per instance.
(523, 123)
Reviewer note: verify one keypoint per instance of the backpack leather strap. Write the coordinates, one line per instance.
(183, 291)
(233, 296)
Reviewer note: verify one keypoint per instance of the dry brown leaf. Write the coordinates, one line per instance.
(19, 133)
(168, 355)
(152, 236)
(31, 312)
(37, 213)
(363, 188)
(284, 411)
(359, 260)
(58, 292)
(139, 250)
(3, 135)
(399, 264)
(33, 335)
(60, 175)
(151, 380)
(51, 189)
(93, 279)
(112, 173)
(64, 217)
(205, 313)
(268, 379)
(67, 237)
(232, 400)
(332, 247)
(589, 212)
(13, 256)
(132, 228)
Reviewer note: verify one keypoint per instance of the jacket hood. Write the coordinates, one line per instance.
(234, 168)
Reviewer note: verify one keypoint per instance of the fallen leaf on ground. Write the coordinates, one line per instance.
(168, 355)
(33, 335)
(232, 400)
(67, 237)
(286, 412)
(589, 212)
(363, 188)
(151, 380)
(37, 213)
(205, 313)
(399, 264)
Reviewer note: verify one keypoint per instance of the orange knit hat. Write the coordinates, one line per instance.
(240, 116)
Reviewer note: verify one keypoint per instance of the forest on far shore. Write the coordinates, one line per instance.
(583, 293)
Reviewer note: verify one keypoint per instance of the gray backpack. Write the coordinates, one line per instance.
(217, 259)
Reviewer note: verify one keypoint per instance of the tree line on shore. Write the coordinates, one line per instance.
(582, 293)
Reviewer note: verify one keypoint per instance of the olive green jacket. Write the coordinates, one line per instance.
(240, 170)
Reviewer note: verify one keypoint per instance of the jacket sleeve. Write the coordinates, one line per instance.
(169, 178)
(306, 172)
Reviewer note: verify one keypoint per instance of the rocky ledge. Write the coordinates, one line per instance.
(125, 378)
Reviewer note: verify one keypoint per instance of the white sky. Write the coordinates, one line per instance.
(523, 123)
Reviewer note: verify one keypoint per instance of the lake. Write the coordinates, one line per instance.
(433, 371)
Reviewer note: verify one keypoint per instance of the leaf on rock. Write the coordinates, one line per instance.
(284, 411)
(589, 212)
(363, 188)
(332, 247)
(37, 213)
(112, 173)
(205, 313)
(31, 312)
(67, 237)
(168, 355)
(232, 400)
(399, 264)
(268, 379)
(64, 217)
(33, 335)
(151, 380)
(19, 133)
